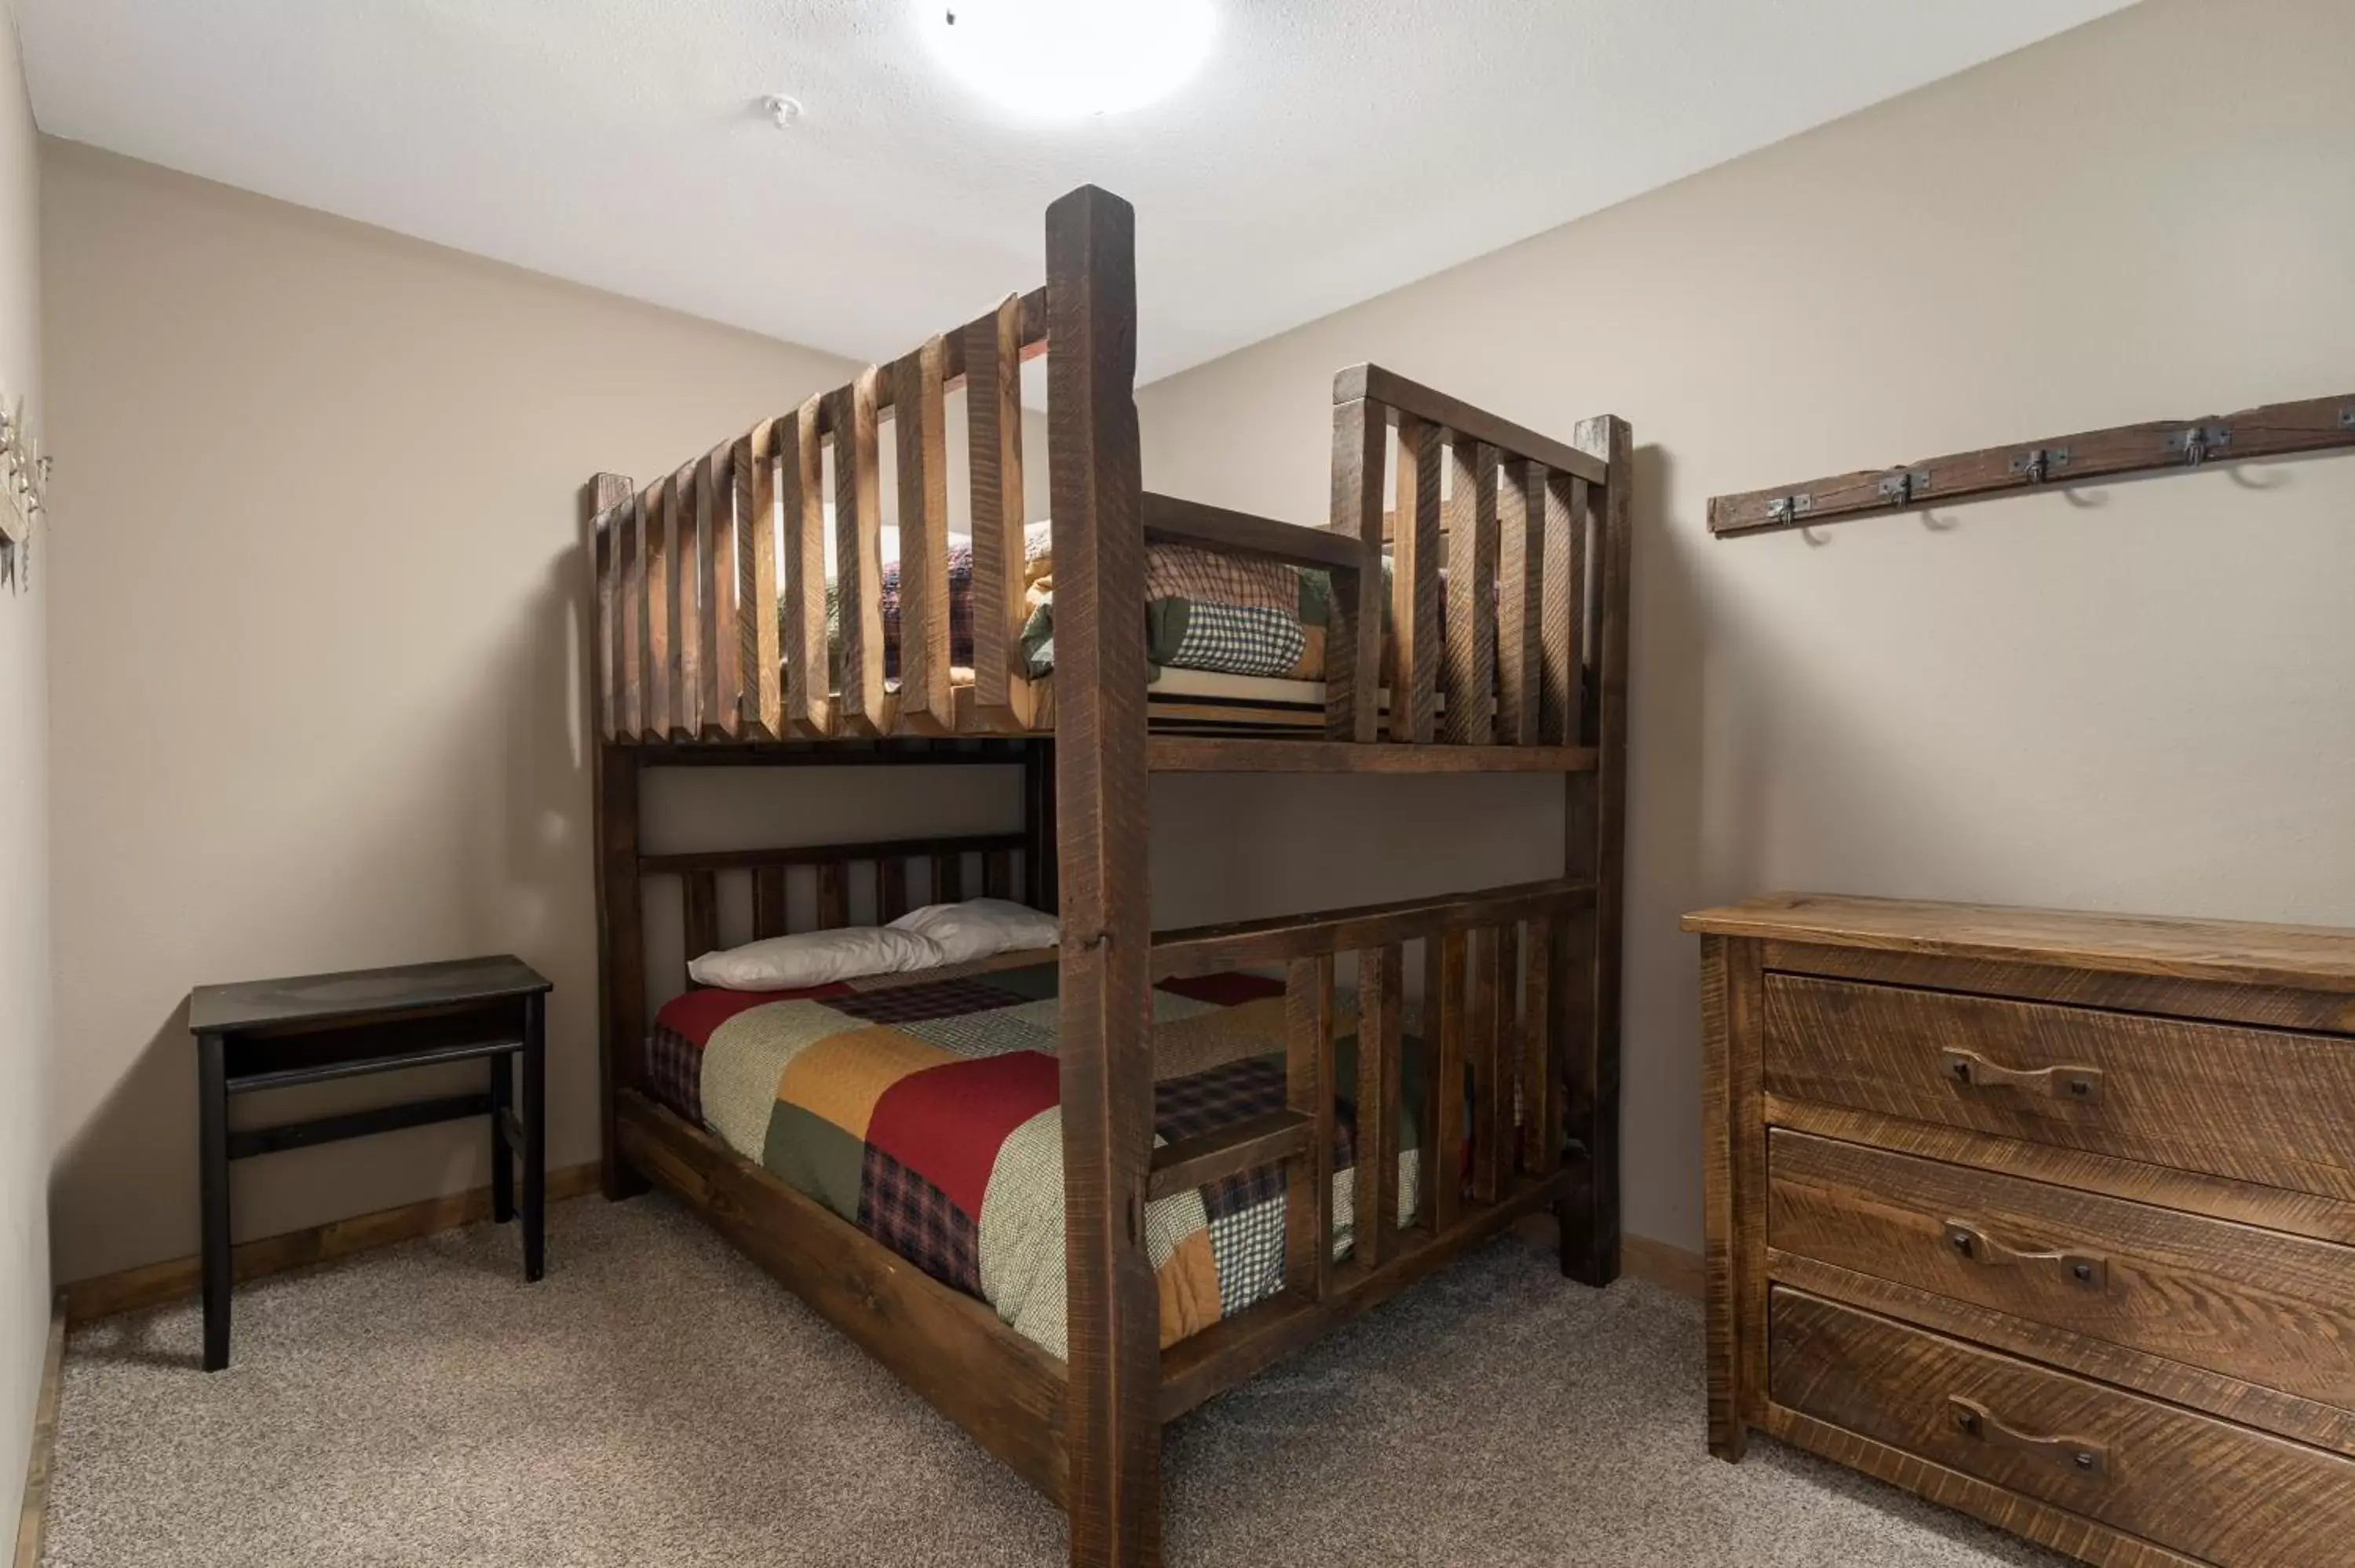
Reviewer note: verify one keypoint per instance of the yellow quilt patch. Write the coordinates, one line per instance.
(842, 1076)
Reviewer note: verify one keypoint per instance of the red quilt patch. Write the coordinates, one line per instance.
(693, 1014)
(1224, 990)
(947, 1123)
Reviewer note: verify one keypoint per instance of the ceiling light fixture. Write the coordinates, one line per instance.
(1054, 59)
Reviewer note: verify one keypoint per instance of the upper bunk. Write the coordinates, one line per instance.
(1465, 610)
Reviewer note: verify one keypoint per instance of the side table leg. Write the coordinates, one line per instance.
(212, 1156)
(502, 1148)
(534, 1136)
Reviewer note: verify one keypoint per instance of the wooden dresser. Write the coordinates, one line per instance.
(2047, 1218)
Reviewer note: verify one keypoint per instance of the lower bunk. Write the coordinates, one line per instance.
(891, 1148)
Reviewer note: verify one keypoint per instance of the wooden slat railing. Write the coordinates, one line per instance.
(711, 609)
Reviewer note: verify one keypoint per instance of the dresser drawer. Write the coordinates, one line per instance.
(2236, 1498)
(2263, 1105)
(2272, 1309)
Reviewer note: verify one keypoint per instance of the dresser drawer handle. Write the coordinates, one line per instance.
(2074, 1455)
(2079, 1086)
(2081, 1269)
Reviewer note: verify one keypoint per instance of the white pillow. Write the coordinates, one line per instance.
(979, 927)
(816, 958)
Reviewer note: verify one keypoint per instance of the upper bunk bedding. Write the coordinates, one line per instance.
(923, 1109)
(1230, 641)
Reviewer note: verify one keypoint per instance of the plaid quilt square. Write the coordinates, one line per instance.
(902, 1004)
(916, 1220)
(675, 1072)
(1238, 640)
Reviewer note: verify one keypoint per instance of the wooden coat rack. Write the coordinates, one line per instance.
(2277, 429)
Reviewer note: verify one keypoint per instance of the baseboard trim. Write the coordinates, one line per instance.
(175, 1279)
(33, 1518)
(1671, 1267)
(1676, 1269)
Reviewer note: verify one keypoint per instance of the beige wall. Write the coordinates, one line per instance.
(25, 1032)
(2132, 697)
(316, 656)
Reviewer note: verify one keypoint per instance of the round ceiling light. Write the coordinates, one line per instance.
(1062, 59)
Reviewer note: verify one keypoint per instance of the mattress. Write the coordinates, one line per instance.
(923, 1109)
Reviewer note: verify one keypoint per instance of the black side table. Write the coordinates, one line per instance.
(272, 1034)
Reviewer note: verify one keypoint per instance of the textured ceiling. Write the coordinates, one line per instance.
(1329, 151)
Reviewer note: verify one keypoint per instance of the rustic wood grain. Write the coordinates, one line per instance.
(620, 954)
(1380, 970)
(1443, 1027)
(702, 909)
(833, 895)
(1596, 832)
(631, 544)
(951, 1350)
(2275, 1208)
(2174, 1093)
(1205, 950)
(2277, 430)
(920, 444)
(2056, 1528)
(1541, 1066)
(1414, 585)
(1559, 502)
(1470, 647)
(1492, 1066)
(2305, 957)
(809, 706)
(605, 500)
(1172, 520)
(661, 549)
(723, 669)
(758, 655)
(1105, 1047)
(769, 902)
(2250, 1404)
(1353, 635)
(2183, 1481)
(1408, 397)
(2207, 1293)
(858, 553)
(1248, 1145)
(1309, 1093)
(1212, 754)
(1520, 606)
(690, 568)
(993, 358)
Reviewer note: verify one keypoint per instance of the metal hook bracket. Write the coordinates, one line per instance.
(1790, 508)
(1904, 487)
(2195, 444)
(2039, 464)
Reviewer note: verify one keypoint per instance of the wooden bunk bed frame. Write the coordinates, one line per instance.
(690, 667)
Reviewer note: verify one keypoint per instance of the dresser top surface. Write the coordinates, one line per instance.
(2307, 957)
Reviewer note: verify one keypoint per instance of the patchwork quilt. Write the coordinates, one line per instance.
(1203, 611)
(923, 1111)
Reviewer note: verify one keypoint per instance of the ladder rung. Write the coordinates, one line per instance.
(1230, 1150)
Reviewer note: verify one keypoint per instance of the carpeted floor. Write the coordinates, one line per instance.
(657, 1403)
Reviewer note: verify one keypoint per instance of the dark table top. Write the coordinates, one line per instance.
(301, 998)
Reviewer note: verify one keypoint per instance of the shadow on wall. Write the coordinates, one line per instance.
(512, 875)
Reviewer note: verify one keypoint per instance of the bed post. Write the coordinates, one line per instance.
(1112, 1421)
(1595, 847)
(613, 793)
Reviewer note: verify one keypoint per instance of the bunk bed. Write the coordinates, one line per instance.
(714, 644)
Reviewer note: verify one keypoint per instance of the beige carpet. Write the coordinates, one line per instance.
(656, 1403)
